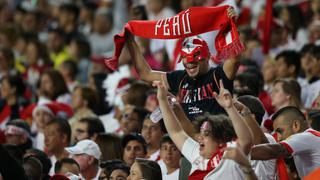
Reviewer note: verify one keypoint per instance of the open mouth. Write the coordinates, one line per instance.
(201, 146)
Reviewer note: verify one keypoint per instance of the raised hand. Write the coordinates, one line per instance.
(224, 98)
(231, 13)
(162, 93)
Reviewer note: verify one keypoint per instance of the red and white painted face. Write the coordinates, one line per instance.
(194, 55)
(208, 145)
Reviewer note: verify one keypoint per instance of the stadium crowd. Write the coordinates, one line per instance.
(171, 110)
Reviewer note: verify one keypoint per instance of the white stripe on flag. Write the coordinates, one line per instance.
(228, 38)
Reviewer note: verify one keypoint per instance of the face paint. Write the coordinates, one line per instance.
(206, 126)
(194, 50)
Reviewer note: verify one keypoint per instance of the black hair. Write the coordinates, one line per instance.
(95, 125)
(315, 120)
(83, 46)
(60, 32)
(306, 49)
(14, 151)
(17, 82)
(141, 10)
(71, 8)
(291, 58)
(59, 164)
(166, 139)
(134, 136)
(315, 52)
(292, 113)
(44, 159)
(36, 165)
(63, 127)
(72, 67)
(251, 82)
(141, 112)
(255, 106)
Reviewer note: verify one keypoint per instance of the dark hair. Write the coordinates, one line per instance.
(150, 169)
(60, 86)
(255, 106)
(161, 123)
(291, 58)
(137, 93)
(166, 139)
(8, 55)
(59, 164)
(115, 164)
(250, 81)
(71, 8)
(296, 19)
(110, 146)
(58, 31)
(221, 125)
(315, 120)
(292, 113)
(134, 136)
(36, 164)
(72, 67)
(291, 87)
(63, 127)
(42, 51)
(83, 46)
(95, 125)
(44, 159)
(141, 112)
(89, 95)
(315, 52)
(140, 9)
(15, 81)
(307, 49)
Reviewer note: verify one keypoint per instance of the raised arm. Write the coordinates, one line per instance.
(259, 137)
(173, 127)
(268, 151)
(243, 132)
(141, 65)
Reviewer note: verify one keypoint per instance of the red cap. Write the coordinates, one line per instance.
(191, 46)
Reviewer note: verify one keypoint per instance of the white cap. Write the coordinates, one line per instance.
(86, 146)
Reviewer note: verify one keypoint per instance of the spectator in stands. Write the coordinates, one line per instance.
(170, 155)
(57, 135)
(87, 155)
(68, 20)
(7, 62)
(44, 159)
(132, 118)
(37, 62)
(114, 169)
(65, 165)
(136, 94)
(80, 51)
(32, 167)
(12, 102)
(18, 132)
(303, 143)
(152, 132)
(306, 62)
(88, 128)
(103, 31)
(110, 146)
(86, 17)
(53, 87)
(145, 169)
(84, 103)
(134, 146)
(286, 92)
(56, 46)
(269, 73)
(69, 71)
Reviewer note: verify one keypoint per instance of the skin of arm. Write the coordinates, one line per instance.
(244, 134)
(259, 137)
(230, 67)
(175, 131)
(144, 70)
(268, 151)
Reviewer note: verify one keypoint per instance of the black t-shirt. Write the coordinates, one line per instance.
(196, 95)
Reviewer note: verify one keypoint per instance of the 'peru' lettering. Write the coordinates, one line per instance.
(171, 26)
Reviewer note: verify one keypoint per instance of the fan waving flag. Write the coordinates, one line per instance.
(190, 22)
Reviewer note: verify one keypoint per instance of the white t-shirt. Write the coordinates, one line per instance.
(172, 176)
(266, 169)
(305, 149)
(155, 156)
(226, 169)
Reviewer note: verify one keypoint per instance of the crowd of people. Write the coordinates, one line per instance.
(171, 110)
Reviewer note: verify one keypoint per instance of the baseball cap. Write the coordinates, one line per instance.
(134, 136)
(193, 45)
(86, 146)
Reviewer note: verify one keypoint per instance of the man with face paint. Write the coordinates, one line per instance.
(196, 84)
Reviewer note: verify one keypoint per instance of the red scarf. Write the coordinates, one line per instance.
(212, 164)
(190, 22)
